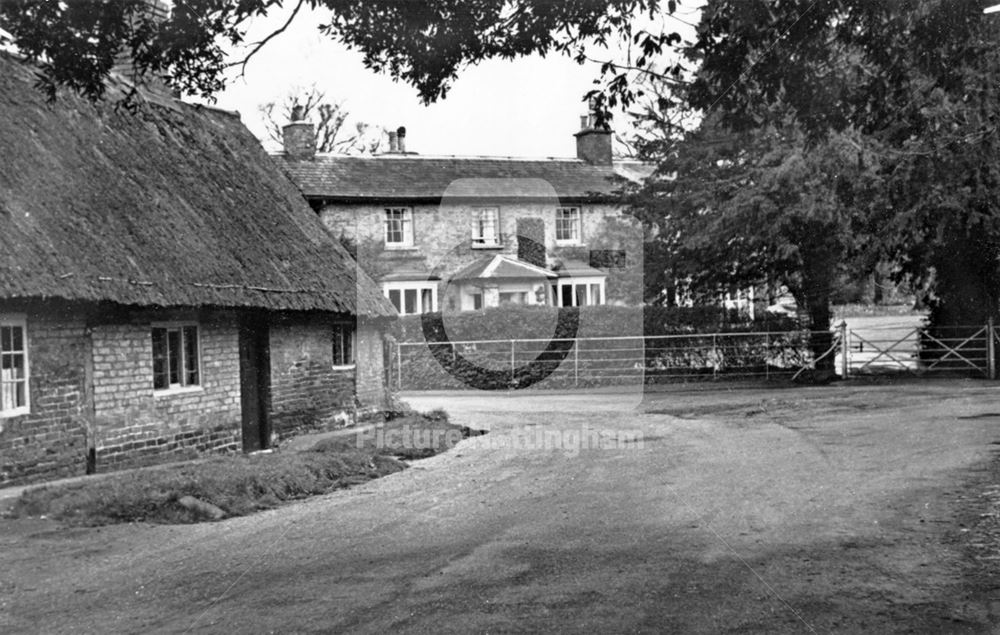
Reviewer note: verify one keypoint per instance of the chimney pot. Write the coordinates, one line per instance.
(298, 113)
(401, 139)
(393, 142)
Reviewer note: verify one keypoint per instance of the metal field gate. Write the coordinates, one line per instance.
(935, 351)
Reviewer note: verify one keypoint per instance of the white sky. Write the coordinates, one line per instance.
(526, 107)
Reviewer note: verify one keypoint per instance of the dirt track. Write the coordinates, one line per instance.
(840, 508)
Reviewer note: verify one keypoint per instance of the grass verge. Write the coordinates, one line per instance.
(236, 485)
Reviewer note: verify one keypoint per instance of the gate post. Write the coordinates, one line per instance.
(512, 365)
(844, 345)
(991, 360)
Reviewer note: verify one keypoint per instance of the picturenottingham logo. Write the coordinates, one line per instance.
(569, 441)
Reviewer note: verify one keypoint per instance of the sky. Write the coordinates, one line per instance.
(527, 107)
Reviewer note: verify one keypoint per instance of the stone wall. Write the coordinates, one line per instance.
(442, 236)
(51, 440)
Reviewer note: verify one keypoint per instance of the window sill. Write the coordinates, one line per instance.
(343, 366)
(487, 245)
(16, 412)
(569, 243)
(399, 247)
(170, 392)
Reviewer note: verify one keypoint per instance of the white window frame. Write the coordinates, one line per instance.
(353, 339)
(588, 284)
(479, 240)
(17, 321)
(173, 389)
(406, 229)
(577, 216)
(415, 285)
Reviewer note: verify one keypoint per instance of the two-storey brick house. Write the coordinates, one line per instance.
(464, 233)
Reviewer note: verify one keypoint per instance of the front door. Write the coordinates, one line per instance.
(255, 377)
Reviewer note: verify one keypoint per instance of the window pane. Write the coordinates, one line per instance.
(6, 338)
(410, 296)
(595, 294)
(426, 301)
(394, 297)
(190, 356)
(581, 294)
(174, 355)
(160, 358)
(348, 348)
(567, 295)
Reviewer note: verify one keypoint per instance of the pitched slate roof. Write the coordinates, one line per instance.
(497, 267)
(396, 176)
(172, 205)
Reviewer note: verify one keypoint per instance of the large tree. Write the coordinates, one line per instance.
(919, 79)
(425, 44)
(760, 206)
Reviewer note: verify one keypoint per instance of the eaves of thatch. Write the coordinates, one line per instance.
(169, 205)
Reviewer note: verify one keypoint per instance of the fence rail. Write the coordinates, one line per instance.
(643, 360)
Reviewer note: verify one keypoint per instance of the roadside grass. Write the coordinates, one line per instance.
(408, 438)
(237, 485)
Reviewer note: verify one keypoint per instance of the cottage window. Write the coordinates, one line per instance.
(486, 227)
(176, 359)
(568, 225)
(343, 344)
(398, 227)
(13, 366)
(411, 298)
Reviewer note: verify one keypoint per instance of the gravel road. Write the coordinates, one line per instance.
(843, 508)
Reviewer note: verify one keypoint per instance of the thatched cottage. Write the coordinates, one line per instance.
(164, 289)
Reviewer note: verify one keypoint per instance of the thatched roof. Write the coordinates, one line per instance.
(396, 177)
(173, 205)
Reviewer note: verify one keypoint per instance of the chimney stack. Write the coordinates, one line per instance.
(156, 12)
(593, 144)
(401, 139)
(299, 137)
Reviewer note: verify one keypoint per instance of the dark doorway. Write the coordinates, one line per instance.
(255, 378)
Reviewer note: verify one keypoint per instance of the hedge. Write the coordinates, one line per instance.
(474, 349)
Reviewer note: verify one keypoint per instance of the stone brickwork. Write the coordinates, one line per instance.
(442, 235)
(51, 440)
(135, 424)
(307, 392)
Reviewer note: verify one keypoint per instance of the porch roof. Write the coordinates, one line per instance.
(498, 267)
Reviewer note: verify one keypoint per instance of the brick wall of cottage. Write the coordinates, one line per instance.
(50, 441)
(91, 387)
(370, 354)
(307, 391)
(133, 424)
